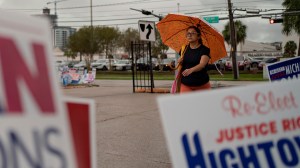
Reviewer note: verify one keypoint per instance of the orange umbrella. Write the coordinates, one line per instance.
(172, 29)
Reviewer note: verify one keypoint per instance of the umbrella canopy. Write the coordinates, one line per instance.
(172, 29)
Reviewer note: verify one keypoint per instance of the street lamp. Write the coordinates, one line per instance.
(253, 11)
(145, 12)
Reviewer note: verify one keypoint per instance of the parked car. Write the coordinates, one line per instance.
(143, 64)
(219, 63)
(250, 62)
(259, 58)
(165, 64)
(243, 62)
(81, 64)
(267, 60)
(122, 65)
(60, 63)
(72, 63)
(103, 64)
(239, 60)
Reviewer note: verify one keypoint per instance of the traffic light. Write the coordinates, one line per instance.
(276, 20)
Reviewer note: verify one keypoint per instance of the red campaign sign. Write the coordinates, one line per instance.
(81, 114)
(39, 84)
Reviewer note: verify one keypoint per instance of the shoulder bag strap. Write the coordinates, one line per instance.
(183, 50)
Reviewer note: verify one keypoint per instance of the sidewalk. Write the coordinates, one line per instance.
(129, 130)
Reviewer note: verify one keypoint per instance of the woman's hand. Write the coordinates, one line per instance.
(187, 72)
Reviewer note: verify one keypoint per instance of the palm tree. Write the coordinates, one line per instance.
(240, 29)
(291, 22)
(290, 49)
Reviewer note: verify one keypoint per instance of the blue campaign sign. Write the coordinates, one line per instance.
(288, 69)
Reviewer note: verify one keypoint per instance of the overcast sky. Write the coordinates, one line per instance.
(117, 13)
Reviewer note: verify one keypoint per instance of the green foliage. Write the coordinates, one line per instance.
(290, 49)
(291, 22)
(170, 75)
(107, 38)
(159, 48)
(241, 32)
(70, 53)
(81, 41)
(126, 37)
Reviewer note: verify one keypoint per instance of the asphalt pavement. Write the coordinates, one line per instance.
(129, 129)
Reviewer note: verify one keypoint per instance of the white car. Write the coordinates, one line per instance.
(81, 64)
(60, 63)
(103, 64)
(122, 65)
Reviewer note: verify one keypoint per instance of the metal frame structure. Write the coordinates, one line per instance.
(142, 68)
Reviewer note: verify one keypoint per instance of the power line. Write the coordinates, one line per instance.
(116, 4)
(117, 24)
(104, 20)
(197, 11)
(103, 5)
(96, 16)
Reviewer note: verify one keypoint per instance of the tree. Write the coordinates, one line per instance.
(70, 53)
(126, 37)
(291, 22)
(159, 48)
(107, 39)
(290, 49)
(241, 32)
(81, 41)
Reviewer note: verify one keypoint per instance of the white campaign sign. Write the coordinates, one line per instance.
(147, 30)
(34, 126)
(254, 126)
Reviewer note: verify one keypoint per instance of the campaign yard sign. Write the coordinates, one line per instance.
(82, 116)
(255, 126)
(33, 121)
(287, 69)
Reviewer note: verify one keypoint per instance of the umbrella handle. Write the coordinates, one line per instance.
(174, 68)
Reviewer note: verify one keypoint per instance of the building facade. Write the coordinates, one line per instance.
(61, 36)
(256, 49)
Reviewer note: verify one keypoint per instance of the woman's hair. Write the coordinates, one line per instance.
(197, 30)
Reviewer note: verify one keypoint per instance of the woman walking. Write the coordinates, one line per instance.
(194, 61)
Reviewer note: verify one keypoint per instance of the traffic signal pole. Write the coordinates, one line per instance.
(232, 41)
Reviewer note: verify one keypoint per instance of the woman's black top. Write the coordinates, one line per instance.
(192, 58)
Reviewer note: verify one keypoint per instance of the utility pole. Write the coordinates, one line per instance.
(91, 3)
(92, 30)
(56, 1)
(233, 41)
(178, 7)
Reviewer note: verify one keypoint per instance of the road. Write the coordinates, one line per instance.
(129, 129)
